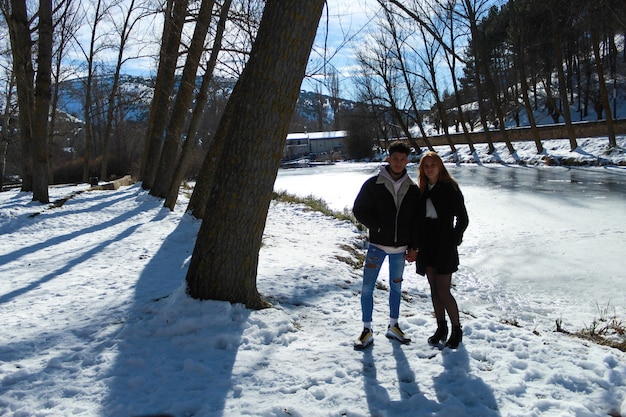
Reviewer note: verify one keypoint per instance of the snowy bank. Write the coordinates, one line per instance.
(96, 322)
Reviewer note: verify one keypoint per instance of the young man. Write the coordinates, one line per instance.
(387, 206)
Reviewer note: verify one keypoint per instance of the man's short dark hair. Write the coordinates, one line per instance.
(398, 146)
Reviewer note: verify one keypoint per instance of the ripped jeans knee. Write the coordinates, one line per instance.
(371, 269)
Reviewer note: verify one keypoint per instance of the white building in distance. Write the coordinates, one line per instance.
(317, 146)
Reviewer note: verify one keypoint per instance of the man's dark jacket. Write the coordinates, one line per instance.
(389, 224)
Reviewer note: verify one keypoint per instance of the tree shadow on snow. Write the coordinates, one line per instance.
(174, 354)
(59, 240)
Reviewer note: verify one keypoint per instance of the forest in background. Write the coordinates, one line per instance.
(440, 68)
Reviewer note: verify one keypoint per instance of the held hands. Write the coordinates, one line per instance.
(410, 255)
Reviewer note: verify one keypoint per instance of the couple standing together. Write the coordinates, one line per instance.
(422, 223)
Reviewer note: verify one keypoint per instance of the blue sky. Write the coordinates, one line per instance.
(342, 26)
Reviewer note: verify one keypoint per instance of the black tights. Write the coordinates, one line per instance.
(442, 298)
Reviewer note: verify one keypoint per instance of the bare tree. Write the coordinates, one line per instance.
(198, 110)
(557, 26)
(67, 22)
(99, 12)
(429, 58)
(33, 91)
(371, 109)
(482, 60)
(383, 78)
(519, 42)
(225, 258)
(131, 19)
(175, 14)
(597, 16)
(408, 84)
(5, 132)
(333, 85)
(42, 103)
(16, 16)
(240, 33)
(470, 12)
(424, 24)
(319, 102)
(182, 102)
(447, 17)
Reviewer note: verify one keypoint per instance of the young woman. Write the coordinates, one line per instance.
(442, 220)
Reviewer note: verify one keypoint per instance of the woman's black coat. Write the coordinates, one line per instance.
(446, 233)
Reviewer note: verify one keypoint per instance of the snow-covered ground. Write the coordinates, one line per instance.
(96, 322)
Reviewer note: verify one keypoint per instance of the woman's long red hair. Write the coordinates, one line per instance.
(444, 175)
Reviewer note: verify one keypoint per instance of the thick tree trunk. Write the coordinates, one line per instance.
(249, 144)
(42, 104)
(21, 47)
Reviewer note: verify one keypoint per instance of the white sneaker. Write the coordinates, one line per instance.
(394, 332)
(365, 339)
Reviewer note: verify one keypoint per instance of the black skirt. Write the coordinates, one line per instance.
(437, 249)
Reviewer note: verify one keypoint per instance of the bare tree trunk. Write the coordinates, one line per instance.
(490, 86)
(529, 110)
(333, 86)
(65, 29)
(198, 111)
(451, 59)
(471, 16)
(4, 133)
(567, 114)
(21, 48)
(520, 64)
(409, 87)
(428, 57)
(159, 109)
(225, 258)
(4, 147)
(42, 103)
(318, 107)
(171, 147)
(113, 94)
(603, 91)
(397, 114)
(91, 56)
(381, 62)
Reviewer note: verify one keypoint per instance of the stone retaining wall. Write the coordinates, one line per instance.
(523, 134)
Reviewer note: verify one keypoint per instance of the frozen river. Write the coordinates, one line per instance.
(544, 243)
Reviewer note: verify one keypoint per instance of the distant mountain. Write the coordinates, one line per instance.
(312, 109)
(135, 92)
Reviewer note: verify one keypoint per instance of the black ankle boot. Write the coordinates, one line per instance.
(455, 338)
(440, 334)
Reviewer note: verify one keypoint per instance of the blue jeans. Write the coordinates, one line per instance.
(373, 261)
